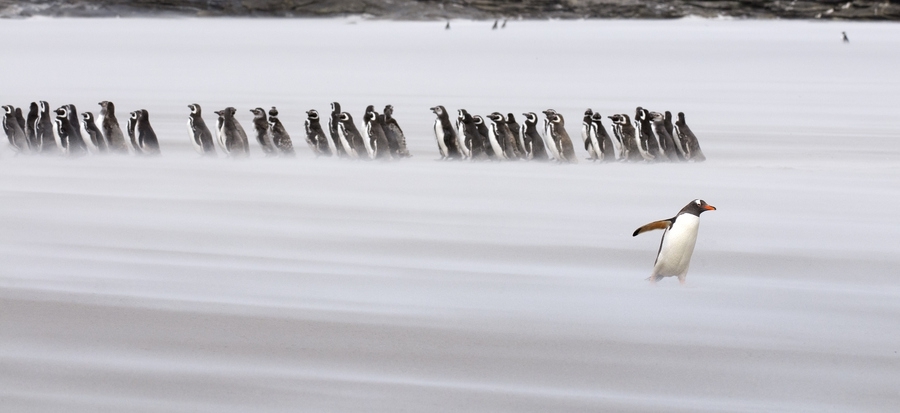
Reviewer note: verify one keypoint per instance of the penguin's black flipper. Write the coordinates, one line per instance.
(663, 224)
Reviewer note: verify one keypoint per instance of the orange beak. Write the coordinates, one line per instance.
(709, 207)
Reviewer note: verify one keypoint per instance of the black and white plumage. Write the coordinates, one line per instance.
(146, 137)
(199, 134)
(131, 129)
(551, 145)
(315, 136)
(677, 245)
(75, 121)
(667, 146)
(68, 135)
(394, 133)
(688, 140)
(333, 123)
(33, 112)
(351, 139)
(282, 140)
(588, 138)
(112, 132)
(21, 121)
(231, 134)
(445, 134)
(669, 126)
(607, 150)
(625, 132)
(557, 135)
(531, 138)
(471, 137)
(262, 133)
(649, 146)
(502, 136)
(465, 147)
(376, 141)
(485, 133)
(89, 128)
(44, 130)
(14, 132)
(516, 130)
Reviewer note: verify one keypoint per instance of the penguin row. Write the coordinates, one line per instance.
(652, 138)
(64, 134)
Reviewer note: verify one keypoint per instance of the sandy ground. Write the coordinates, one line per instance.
(182, 284)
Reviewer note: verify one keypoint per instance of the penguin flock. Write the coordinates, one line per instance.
(653, 137)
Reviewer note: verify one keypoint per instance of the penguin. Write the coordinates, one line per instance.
(43, 130)
(14, 132)
(471, 137)
(351, 138)
(465, 147)
(550, 143)
(109, 125)
(33, 142)
(688, 140)
(445, 134)
(516, 131)
(484, 133)
(667, 147)
(378, 145)
(669, 126)
(220, 131)
(131, 128)
(556, 127)
(200, 136)
(21, 121)
(845, 38)
(495, 25)
(648, 141)
(146, 137)
(263, 134)
(394, 133)
(591, 145)
(607, 152)
(501, 134)
(71, 142)
(282, 140)
(76, 122)
(89, 128)
(333, 123)
(315, 136)
(534, 144)
(626, 133)
(678, 240)
(447, 27)
(231, 134)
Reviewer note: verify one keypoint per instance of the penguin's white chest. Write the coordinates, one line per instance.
(677, 247)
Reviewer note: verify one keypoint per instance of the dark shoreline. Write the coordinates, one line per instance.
(467, 9)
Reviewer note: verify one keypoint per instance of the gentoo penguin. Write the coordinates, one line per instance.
(501, 134)
(591, 144)
(445, 134)
(484, 132)
(131, 129)
(667, 146)
(71, 142)
(201, 137)
(109, 125)
(43, 129)
(688, 140)
(534, 144)
(351, 138)
(262, 132)
(333, 123)
(471, 137)
(231, 135)
(89, 128)
(556, 127)
(394, 133)
(648, 144)
(282, 140)
(607, 152)
(33, 142)
(315, 136)
(516, 130)
(146, 137)
(626, 133)
(14, 132)
(678, 240)
(377, 142)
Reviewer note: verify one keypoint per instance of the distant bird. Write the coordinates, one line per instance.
(534, 144)
(447, 27)
(625, 133)
(351, 139)
(504, 24)
(14, 132)
(146, 137)
(667, 144)
(282, 140)
(495, 25)
(333, 123)
(445, 134)
(678, 241)
(70, 142)
(485, 133)
(394, 133)
(376, 141)
(89, 128)
(109, 125)
(556, 129)
(198, 132)
(231, 134)
(846, 39)
(315, 136)
(607, 152)
(262, 133)
(688, 140)
(43, 130)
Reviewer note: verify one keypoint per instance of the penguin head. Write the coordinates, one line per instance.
(530, 117)
(557, 119)
(697, 207)
(9, 109)
(370, 108)
(597, 117)
(345, 117)
(221, 113)
(87, 116)
(656, 116)
(668, 116)
(143, 115)
(258, 113)
(62, 112)
(638, 113)
(461, 114)
(45, 107)
(388, 110)
(231, 111)
(195, 108)
(588, 113)
(133, 115)
(681, 117)
(312, 114)
(273, 112)
(510, 118)
(478, 119)
(438, 110)
(335, 107)
(107, 105)
(549, 113)
(33, 107)
(496, 117)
